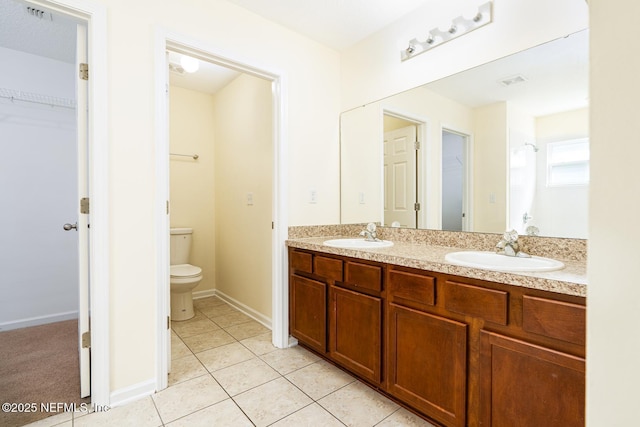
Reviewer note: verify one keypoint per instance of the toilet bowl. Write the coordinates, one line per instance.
(184, 278)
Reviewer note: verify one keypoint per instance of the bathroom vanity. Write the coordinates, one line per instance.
(461, 346)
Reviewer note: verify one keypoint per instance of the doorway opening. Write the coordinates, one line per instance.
(246, 180)
(54, 126)
(404, 171)
(455, 206)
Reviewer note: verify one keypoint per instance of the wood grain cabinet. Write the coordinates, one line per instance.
(427, 363)
(459, 351)
(529, 385)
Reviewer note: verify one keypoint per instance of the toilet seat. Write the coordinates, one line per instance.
(184, 271)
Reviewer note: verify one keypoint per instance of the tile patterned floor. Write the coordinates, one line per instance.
(226, 372)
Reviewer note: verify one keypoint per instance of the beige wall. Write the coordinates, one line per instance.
(244, 164)
(192, 192)
(311, 94)
(613, 294)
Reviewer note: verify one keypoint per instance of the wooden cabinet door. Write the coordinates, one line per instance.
(356, 332)
(308, 320)
(427, 363)
(529, 386)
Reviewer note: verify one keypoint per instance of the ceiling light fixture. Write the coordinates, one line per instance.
(189, 64)
(459, 26)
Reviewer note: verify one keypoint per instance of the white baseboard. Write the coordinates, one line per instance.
(204, 294)
(39, 320)
(132, 393)
(258, 317)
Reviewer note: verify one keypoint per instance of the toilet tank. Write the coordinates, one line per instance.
(180, 245)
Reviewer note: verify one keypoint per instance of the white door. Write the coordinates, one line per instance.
(83, 218)
(400, 177)
(453, 181)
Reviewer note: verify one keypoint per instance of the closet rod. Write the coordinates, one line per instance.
(52, 101)
(194, 156)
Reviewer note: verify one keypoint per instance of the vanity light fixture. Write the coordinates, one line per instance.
(459, 26)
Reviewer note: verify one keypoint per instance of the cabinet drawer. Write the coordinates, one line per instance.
(363, 276)
(406, 287)
(555, 319)
(488, 304)
(301, 261)
(329, 268)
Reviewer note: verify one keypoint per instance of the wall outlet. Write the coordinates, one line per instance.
(361, 198)
(313, 196)
(249, 199)
(492, 197)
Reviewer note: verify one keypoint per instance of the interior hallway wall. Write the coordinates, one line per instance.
(192, 186)
(244, 182)
(311, 94)
(38, 188)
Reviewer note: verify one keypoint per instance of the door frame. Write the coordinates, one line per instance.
(422, 161)
(95, 17)
(166, 39)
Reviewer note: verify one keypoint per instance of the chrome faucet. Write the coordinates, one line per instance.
(509, 245)
(369, 233)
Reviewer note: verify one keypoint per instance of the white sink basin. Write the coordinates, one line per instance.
(357, 244)
(493, 261)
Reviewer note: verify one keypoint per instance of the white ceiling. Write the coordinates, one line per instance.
(53, 35)
(335, 23)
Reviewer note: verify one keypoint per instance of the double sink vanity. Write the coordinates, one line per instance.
(430, 324)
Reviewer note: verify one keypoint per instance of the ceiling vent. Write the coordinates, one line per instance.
(39, 13)
(513, 80)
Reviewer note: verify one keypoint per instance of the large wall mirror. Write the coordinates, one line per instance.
(501, 146)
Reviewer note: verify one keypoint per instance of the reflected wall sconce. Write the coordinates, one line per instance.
(459, 26)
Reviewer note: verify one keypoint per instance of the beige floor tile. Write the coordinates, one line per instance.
(309, 416)
(320, 379)
(209, 340)
(272, 401)
(231, 319)
(291, 359)
(141, 413)
(207, 302)
(260, 344)
(197, 316)
(218, 310)
(224, 356)
(356, 405)
(247, 330)
(189, 329)
(185, 368)
(244, 376)
(187, 397)
(404, 418)
(225, 413)
(179, 349)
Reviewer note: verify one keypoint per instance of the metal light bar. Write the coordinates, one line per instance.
(458, 27)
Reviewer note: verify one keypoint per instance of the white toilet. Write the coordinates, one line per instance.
(184, 276)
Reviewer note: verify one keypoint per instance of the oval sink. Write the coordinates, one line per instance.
(493, 261)
(357, 243)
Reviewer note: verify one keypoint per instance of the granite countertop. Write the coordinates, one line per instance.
(571, 280)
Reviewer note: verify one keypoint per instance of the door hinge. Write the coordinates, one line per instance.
(167, 207)
(168, 322)
(273, 225)
(84, 71)
(416, 145)
(84, 205)
(416, 206)
(86, 339)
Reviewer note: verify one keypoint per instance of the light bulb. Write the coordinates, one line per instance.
(189, 64)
